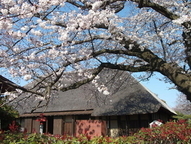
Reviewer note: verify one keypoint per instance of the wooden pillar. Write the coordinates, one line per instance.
(47, 122)
(57, 129)
(35, 125)
(73, 125)
(109, 120)
(128, 125)
(28, 125)
(118, 122)
(139, 120)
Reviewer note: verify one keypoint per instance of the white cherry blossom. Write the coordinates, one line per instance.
(43, 40)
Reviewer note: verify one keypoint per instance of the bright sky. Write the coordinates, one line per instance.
(163, 90)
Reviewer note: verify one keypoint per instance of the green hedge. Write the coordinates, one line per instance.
(173, 132)
(21, 138)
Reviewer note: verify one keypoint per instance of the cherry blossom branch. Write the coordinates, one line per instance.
(162, 10)
(21, 88)
(82, 82)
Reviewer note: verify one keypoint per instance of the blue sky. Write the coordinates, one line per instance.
(163, 90)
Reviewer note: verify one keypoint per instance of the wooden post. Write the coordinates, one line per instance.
(57, 125)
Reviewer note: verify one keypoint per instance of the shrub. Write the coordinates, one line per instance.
(7, 114)
(170, 133)
(34, 138)
(14, 127)
(23, 138)
(173, 132)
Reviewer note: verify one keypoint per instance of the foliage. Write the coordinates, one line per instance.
(7, 115)
(42, 40)
(169, 133)
(14, 127)
(23, 138)
(41, 118)
(181, 116)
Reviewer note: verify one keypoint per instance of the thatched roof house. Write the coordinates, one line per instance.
(127, 106)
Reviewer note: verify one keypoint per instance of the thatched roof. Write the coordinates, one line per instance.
(127, 97)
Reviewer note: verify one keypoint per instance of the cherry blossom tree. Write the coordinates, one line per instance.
(44, 40)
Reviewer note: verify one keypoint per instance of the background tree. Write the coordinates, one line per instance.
(43, 40)
(183, 106)
(7, 115)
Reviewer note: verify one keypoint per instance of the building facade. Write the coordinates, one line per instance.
(128, 107)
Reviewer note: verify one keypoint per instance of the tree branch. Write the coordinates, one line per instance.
(130, 68)
(162, 10)
(15, 86)
(82, 82)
